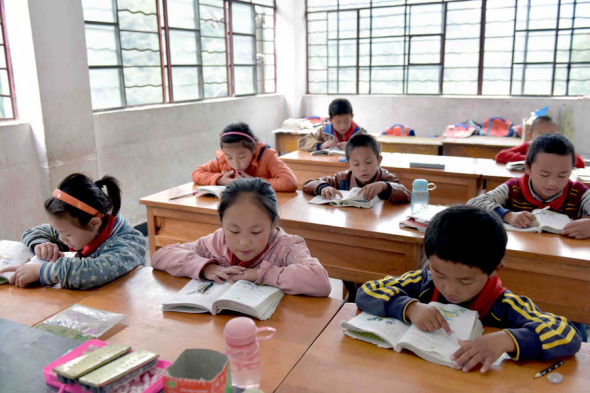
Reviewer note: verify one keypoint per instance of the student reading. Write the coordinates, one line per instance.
(549, 163)
(82, 218)
(335, 134)
(249, 246)
(465, 246)
(541, 125)
(363, 156)
(241, 155)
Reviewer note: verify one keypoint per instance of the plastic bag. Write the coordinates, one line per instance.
(89, 321)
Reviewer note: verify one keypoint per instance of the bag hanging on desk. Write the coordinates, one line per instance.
(399, 130)
(498, 126)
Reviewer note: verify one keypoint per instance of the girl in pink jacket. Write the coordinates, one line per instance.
(249, 246)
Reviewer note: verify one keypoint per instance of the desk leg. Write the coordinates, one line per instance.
(151, 226)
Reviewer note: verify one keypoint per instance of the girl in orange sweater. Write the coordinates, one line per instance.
(243, 156)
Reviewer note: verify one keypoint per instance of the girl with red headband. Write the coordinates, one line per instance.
(243, 156)
(82, 218)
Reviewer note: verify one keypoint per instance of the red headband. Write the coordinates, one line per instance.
(78, 204)
(238, 133)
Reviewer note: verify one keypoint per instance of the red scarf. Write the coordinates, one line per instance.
(234, 260)
(345, 137)
(485, 299)
(99, 239)
(523, 183)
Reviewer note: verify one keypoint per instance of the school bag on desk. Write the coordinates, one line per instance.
(462, 130)
(399, 130)
(498, 126)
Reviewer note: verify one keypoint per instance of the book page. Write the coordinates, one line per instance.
(12, 253)
(550, 220)
(211, 190)
(425, 216)
(196, 297)
(245, 293)
(381, 331)
(462, 322)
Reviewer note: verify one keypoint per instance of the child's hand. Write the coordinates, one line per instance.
(578, 229)
(520, 219)
(373, 189)
(219, 274)
(485, 350)
(48, 251)
(241, 173)
(341, 145)
(24, 275)
(330, 193)
(248, 275)
(328, 144)
(227, 178)
(426, 318)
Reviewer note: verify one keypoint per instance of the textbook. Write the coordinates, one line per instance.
(349, 198)
(515, 166)
(546, 220)
(198, 191)
(420, 220)
(436, 347)
(329, 152)
(259, 301)
(13, 253)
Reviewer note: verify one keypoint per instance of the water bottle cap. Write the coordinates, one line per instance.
(240, 331)
(420, 184)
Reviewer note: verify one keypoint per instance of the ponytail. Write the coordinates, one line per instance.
(81, 187)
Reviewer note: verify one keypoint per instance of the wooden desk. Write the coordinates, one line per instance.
(184, 219)
(29, 306)
(287, 140)
(298, 319)
(338, 363)
(457, 183)
(410, 144)
(355, 244)
(477, 146)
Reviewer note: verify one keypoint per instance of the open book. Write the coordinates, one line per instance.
(351, 197)
(13, 253)
(259, 301)
(420, 220)
(198, 191)
(547, 220)
(515, 166)
(436, 347)
(329, 152)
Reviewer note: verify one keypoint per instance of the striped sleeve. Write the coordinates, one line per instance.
(585, 204)
(390, 296)
(492, 201)
(537, 334)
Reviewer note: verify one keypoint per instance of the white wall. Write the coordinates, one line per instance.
(429, 115)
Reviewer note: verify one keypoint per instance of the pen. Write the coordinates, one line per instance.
(543, 209)
(206, 287)
(548, 369)
(183, 194)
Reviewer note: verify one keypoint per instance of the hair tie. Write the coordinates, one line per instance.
(78, 204)
(238, 133)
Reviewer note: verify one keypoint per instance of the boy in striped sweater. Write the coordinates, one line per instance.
(465, 246)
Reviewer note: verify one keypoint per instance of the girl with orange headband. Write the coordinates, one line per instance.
(82, 218)
(243, 156)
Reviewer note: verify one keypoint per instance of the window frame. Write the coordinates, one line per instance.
(12, 92)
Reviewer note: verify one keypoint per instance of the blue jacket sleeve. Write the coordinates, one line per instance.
(390, 296)
(537, 335)
(42, 234)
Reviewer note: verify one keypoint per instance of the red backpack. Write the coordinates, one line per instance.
(498, 126)
(399, 130)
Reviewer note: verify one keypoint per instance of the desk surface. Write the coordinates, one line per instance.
(298, 320)
(338, 363)
(495, 141)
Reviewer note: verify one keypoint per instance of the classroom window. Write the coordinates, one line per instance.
(159, 51)
(7, 102)
(466, 47)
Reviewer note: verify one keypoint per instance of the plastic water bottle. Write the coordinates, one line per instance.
(420, 188)
(241, 345)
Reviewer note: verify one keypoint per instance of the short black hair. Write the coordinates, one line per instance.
(362, 140)
(469, 235)
(340, 106)
(550, 143)
(242, 128)
(542, 119)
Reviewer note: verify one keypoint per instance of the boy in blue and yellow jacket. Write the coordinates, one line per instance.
(465, 246)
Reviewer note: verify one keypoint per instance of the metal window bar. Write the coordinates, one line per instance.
(8, 63)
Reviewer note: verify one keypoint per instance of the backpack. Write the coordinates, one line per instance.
(399, 130)
(462, 130)
(317, 120)
(498, 126)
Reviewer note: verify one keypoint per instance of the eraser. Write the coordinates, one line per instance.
(92, 360)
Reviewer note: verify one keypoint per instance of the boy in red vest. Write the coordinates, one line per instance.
(465, 246)
(546, 183)
(335, 134)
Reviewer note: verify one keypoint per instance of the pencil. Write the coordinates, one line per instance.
(548, 369)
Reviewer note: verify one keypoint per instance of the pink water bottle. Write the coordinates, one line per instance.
(241, 345)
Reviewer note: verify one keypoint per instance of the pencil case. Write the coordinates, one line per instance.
(52, 379)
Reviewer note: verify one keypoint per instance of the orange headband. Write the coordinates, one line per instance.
(70, 200)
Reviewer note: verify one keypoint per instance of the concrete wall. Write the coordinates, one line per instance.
(429, 115)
